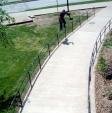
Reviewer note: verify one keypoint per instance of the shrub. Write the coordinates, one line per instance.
(109, 95)
(108, 73)
(102, 65)
(104, 68)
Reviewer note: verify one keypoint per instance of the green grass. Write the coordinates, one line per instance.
(17, 60)
(102, 65)
(108, 42)
(28, 41)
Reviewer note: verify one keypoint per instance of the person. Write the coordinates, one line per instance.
(62, 19)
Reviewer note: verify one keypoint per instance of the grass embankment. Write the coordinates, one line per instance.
(16, 60)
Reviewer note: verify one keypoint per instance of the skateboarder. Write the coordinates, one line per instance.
(62, 19)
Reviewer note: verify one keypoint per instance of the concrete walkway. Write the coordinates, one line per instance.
(62, 86)
(24, 16)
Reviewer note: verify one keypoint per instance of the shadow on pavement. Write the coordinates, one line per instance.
(66, 42)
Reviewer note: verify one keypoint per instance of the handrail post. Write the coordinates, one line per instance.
(94, 10)
(65, 31)
(90, 73)
(29, 76)
(109, 25)
(48, 49)
(14, 110)
(68, 23)
(96, 47)
(100, 37)
(79, 20)
(58, 39)
(87, 14)
(72, 25)
(20, 99)
(92, 58)
(39, 61)
(104, 30)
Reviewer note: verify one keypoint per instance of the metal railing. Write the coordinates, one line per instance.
(98, 43)
(23, 90)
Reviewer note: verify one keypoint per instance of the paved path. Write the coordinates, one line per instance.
(24, 16)
(62, 86)
(34, 4)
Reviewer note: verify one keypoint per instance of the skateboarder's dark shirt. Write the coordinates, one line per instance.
(62, 14)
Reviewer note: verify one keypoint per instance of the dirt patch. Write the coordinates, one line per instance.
(103, 105)
(48, 19)
(45, 20)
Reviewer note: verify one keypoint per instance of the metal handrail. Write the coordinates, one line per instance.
(95, 51)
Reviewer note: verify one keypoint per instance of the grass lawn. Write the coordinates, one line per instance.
(17, 59)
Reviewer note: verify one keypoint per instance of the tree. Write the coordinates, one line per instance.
(4, 17)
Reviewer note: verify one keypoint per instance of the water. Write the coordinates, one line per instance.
(36, 4)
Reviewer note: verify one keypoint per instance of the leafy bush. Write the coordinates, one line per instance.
(104, 68)
(109, 95)
(108, 73)
(102, 65)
